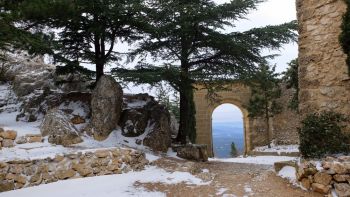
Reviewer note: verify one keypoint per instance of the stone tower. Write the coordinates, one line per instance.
(323, 74)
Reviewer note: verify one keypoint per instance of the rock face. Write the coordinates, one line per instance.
(144, 116)
(31, 75)
(193, 152)
(59, 129)
(106, 107)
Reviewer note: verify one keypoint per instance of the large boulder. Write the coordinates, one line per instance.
(144, 116)
(195, 152)
(106, 107)
(60, 130)
(174, 125)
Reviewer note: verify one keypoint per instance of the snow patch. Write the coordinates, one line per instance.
(221, 191)
(278, 148)
(289, 173)
(151, 157)
(8, 122)
(261, 160)
(121, 185)
(137, 104)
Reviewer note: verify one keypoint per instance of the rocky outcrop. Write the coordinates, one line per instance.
(30, 75)
(26, 173)
(60, 130)
(331, 173)
(144, 116)
(193, 152)
(106, 107)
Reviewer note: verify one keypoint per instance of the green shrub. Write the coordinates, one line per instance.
(321, 134)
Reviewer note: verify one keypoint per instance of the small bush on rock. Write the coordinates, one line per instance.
(321, 134)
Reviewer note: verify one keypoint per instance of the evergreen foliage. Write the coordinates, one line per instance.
(15, 35)
(265, 90)
(345, 35)
(321, 134)
(291, 77)
(234, 152)
(187, 41)
(163, 95)
(75, 32)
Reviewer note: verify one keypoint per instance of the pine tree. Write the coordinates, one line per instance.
(12, 37)
(188, 36)
(167, 97)
(291, 77)
(265, 90)
(75, 32)
(234, 152)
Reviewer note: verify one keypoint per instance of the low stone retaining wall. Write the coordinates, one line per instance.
(331, 173)
(25, 173)
(7, 138)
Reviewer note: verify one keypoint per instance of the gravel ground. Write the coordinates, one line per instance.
(226, 179)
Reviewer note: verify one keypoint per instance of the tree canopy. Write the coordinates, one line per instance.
(187, 39)
(72, 32)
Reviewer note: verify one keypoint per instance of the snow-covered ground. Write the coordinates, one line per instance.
(278, 148)
(106, 186)
(44, 150)
(8, 122)
(261, 160)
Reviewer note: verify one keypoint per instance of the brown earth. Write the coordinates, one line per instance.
(226, 179)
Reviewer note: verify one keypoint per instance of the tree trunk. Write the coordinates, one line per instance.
(183, 127)
(99, 70)
(267, 118)
(187, 127)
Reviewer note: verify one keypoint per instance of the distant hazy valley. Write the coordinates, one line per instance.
(224, 133)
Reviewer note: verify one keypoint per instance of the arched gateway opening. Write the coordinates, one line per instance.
(227, 131)
(236, 94)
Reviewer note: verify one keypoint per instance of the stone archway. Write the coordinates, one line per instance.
(236, 94)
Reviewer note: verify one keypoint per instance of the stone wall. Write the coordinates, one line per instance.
(285, 124)
(323, 177)
(323, 78)
(25, 173)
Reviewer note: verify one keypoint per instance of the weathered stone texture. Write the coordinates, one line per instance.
(106, 107)
(59, 129)
(285, 124)
(332, 174)
(324, 80)
(26, 173)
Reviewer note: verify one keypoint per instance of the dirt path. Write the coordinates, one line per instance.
(228, 180)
